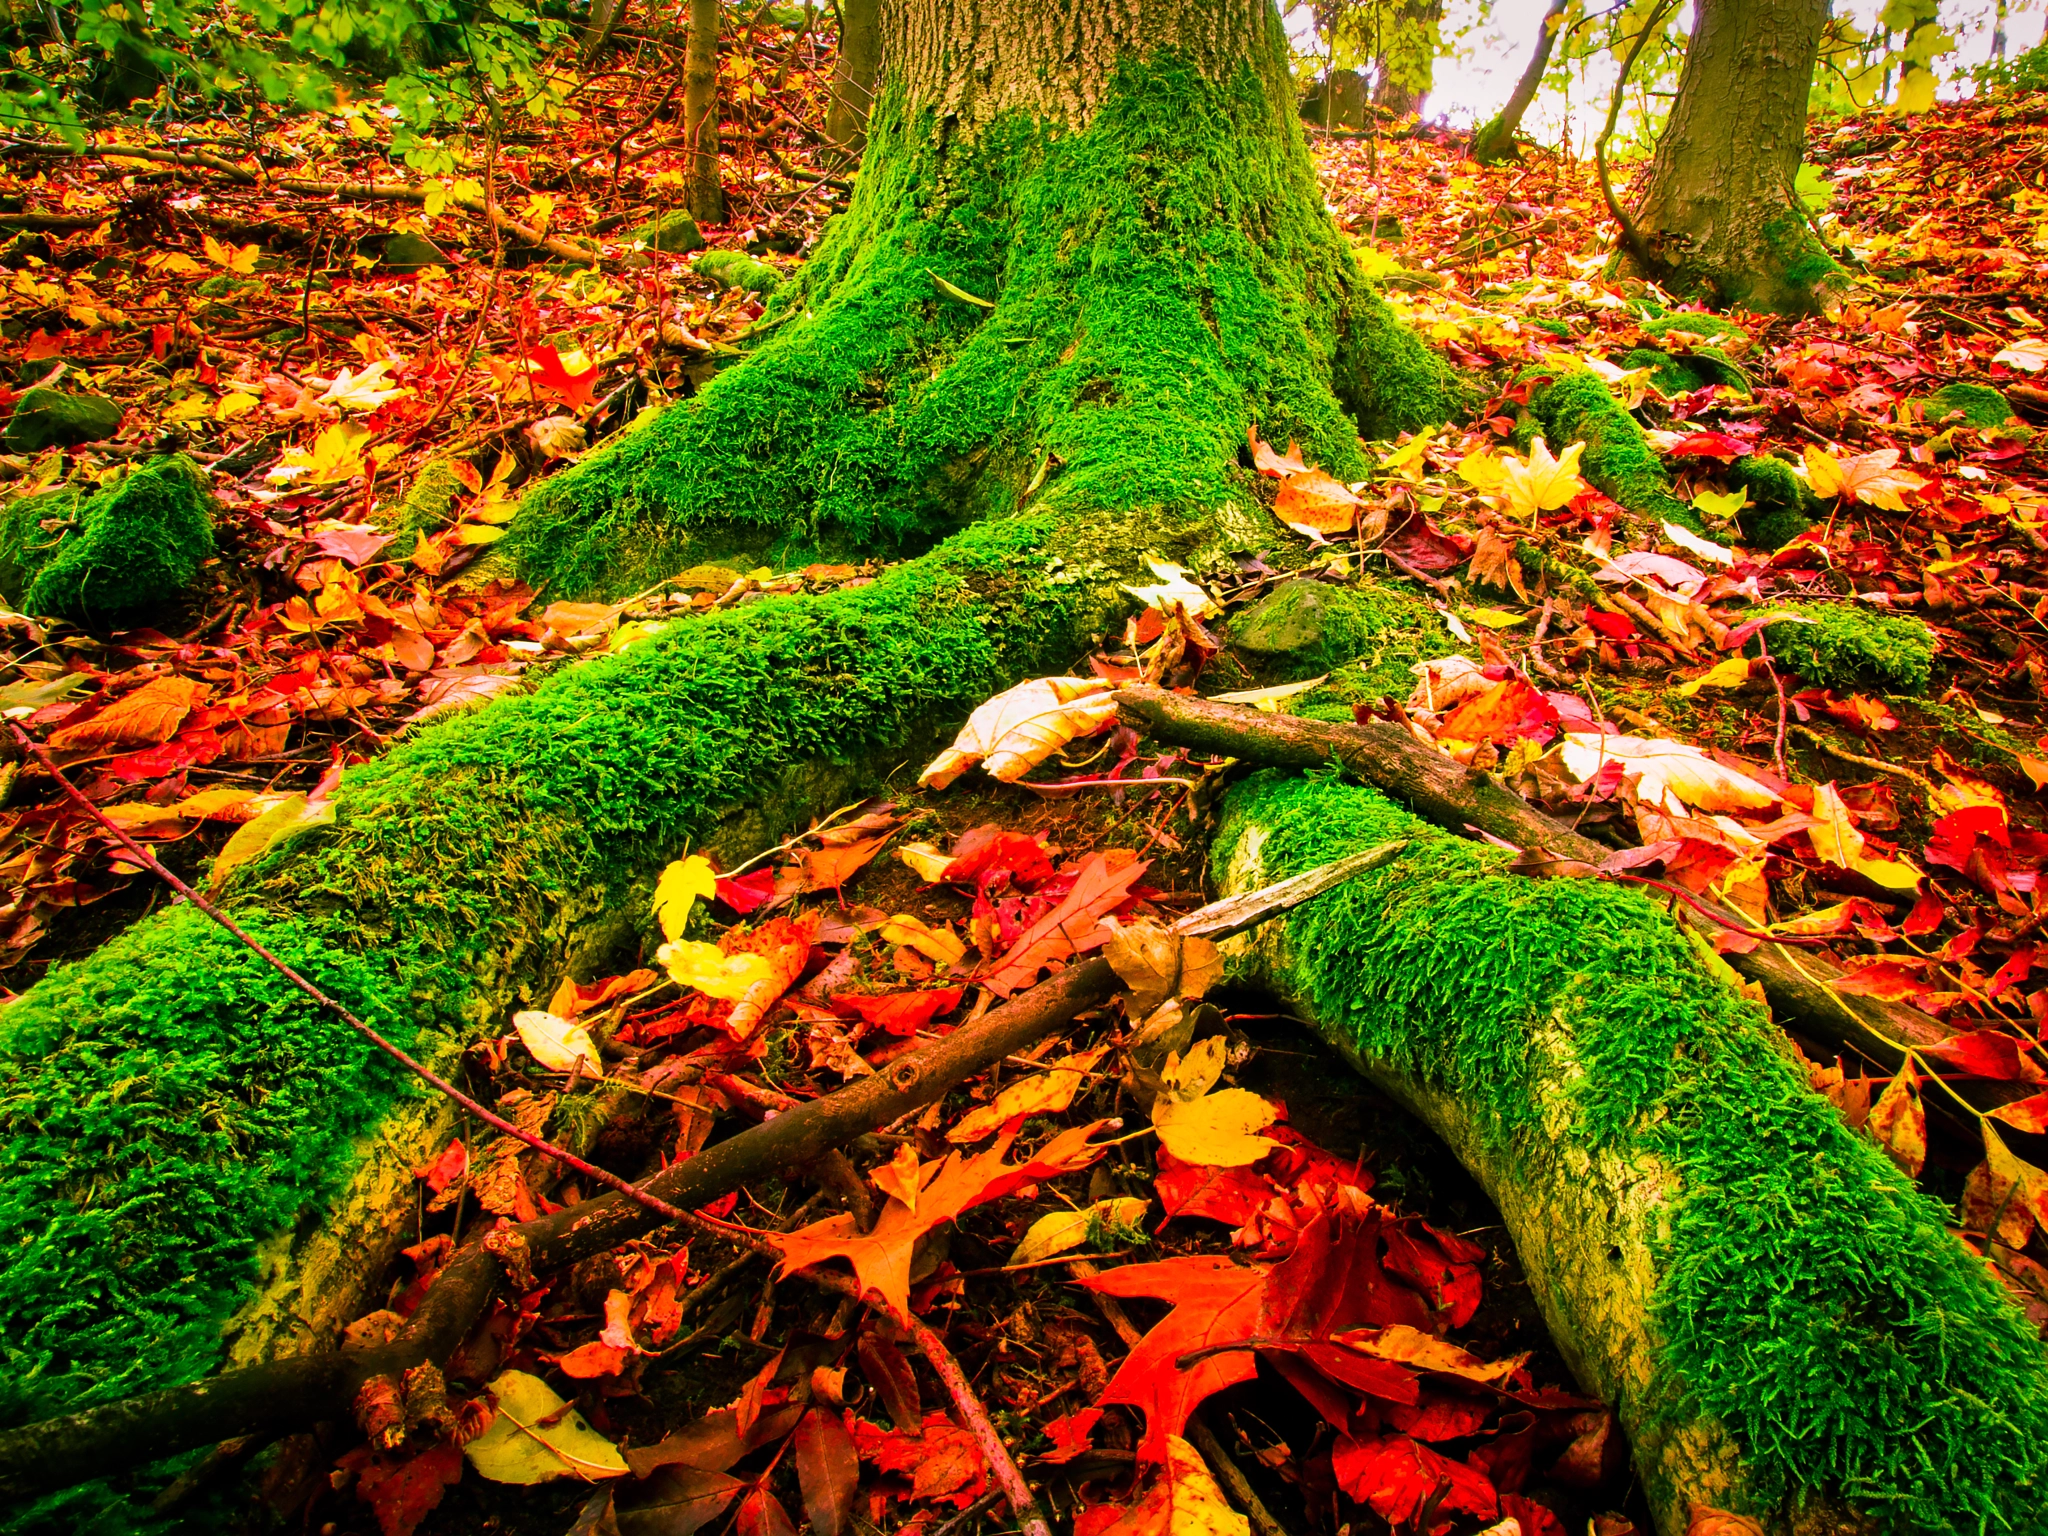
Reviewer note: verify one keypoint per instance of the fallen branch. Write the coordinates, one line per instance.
(283, 1396)
(1446, 792)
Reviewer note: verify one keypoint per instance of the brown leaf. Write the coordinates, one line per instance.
(1708, 1521)
(149, 715)
(1313, 500)
(2004, 1197)
(827, 1469)
(1898, 1122)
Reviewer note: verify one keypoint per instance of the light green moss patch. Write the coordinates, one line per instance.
(1809, 1297)
(1782, 503)
(1852, 645)
(119, 557)
(734, 269)
(1979, 405)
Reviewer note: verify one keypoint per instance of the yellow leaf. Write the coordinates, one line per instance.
(705, 968)
(1732, 673)
(682, 884)
(557, 1044)
(176, 263)
(1496, 618)
(241, 259)
(1070, 1229)
(925, 861)
(335, 455)
(1213, 1129)
(1020, 727)
(1185, 1501)
(191, 408)
(1898, 874)
(1043, 1093)
(289, 817)
(1543, 484)
(208, 802)
(1916, 92)
(535, 1437)
(1868, 477)
(437, 199)
(467, 187)
(1481, 470)
(939, 945)
(232, 404)
(1835, 838)
(479, 533)
(1721, 505)
(540, 208)
(1409, 454)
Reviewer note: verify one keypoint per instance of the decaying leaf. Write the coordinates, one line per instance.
(535, 1436)
(1019, 728)
(557, 1044)
(1062, 1230)
(1217, 1130)
(1898, 1122)
(1183, 1500)
(1043, 1093)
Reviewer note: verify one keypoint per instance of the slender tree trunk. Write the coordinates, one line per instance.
(1495, 140)
(700, 113)
(1719, 216)
(853, 73)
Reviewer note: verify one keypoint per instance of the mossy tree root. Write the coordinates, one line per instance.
(1782, 1321)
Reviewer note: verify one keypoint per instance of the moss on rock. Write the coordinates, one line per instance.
(119, 557)
(1578, 407)
(1782, 503)
(1807, 1297)
(1979, 405)
(1852, 645)
(733, 269)
(1374, 632)
(51, 418)
(674, 230)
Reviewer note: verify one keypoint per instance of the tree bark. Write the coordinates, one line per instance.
(1495, 140)
(1405, 68)
(706, 196)
(1720, 217)
(853, 74)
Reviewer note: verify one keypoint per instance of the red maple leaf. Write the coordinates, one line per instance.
(1710, 445)
(900, 1013)
(1399, 1478)
(575, 389)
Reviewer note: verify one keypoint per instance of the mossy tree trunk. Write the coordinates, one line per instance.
(853, 73)
(1720, 216)
(1495, 140)
(705, 194)
(197, 1165)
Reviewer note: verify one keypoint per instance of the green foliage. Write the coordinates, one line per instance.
(2027, 72)
(116, 558)
(1809, 1298)
(1851, 645)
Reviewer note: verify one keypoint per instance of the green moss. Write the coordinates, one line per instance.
(1852, 645)
(674, 230)
(1979, 405)
(1801, 267)
(1672, 376)
(1374, 633)
(165, 1108)
(120, 557)
(428, 503)
(1781, 502)
(1577, 407)
(1808, 1297)
(1161, 281)
(44, 418)
(1694, 323)
(735, 269)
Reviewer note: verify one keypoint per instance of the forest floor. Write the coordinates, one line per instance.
(370, 382)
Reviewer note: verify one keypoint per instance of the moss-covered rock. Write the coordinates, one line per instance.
(1303, 628)
(736, 269)
(225, 285)
(428, 502)
(409, 251)
(120, 557)
(671, 231)
(51, 418)
(1719, 327)
(1978, 405)
(1852, 645)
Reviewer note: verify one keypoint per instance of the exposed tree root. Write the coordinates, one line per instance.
(1784, 1324)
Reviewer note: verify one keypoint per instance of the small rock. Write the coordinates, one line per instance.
(1287, 621)
(409, 252)
(43, 417)
(673, 231)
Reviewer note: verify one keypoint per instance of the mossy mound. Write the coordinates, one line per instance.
(1675, 376)
(51, 418)
(1577, 407)
(1979, 405)
(1808, 1297)
(736, 269)
(1693, 324)
(1304, 628)
(428, 503)
(672, 231)
(1781, 503)
(121, 557)
(1851, 645)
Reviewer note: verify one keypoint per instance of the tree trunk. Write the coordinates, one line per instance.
(1495, 141)
(706, 196)
(1781, 1321)
(1720, 217)
(853, 73)
(1405, 67)
(196, 1155)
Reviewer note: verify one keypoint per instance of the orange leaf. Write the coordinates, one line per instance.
(1072, 926)
(150, 714)
(2003, 1196)
(1898, 1122)
(1314, 501)
(1268, 461)
(786, 942)
(830, 868)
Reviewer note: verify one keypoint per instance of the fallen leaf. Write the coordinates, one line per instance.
(940, 945)
(1398, 1478)
(940, 1459)
(1313, 502)
(676, 1500)
(402, 1496)
(1674, 776)
(683, 883)
(1869, 477)
(151, 713)
(827, 1469)
(254, 838)
(900, 1013)
(557, 1044)
(1174, 591)
(1541, 483)
(535, 1436)
(827, 869)
(1020, 727)
(1182, 1500)
(1732, 673)
(1268, 462)
(1062, 1230)
(1069, 928)
(1043, 1093)
(1898, 1122)
(2004, 1196)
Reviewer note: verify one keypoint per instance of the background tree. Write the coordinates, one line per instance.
(1720, 215)
(853, 73)
(1495, 139)
(706, 197)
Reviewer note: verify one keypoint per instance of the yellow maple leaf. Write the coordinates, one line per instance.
(1217, 1130)
(1868, 477)
(941, 945)
(337, 454)
(1542, 483)
(681, 885)
(708, 969)
(240, 259)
